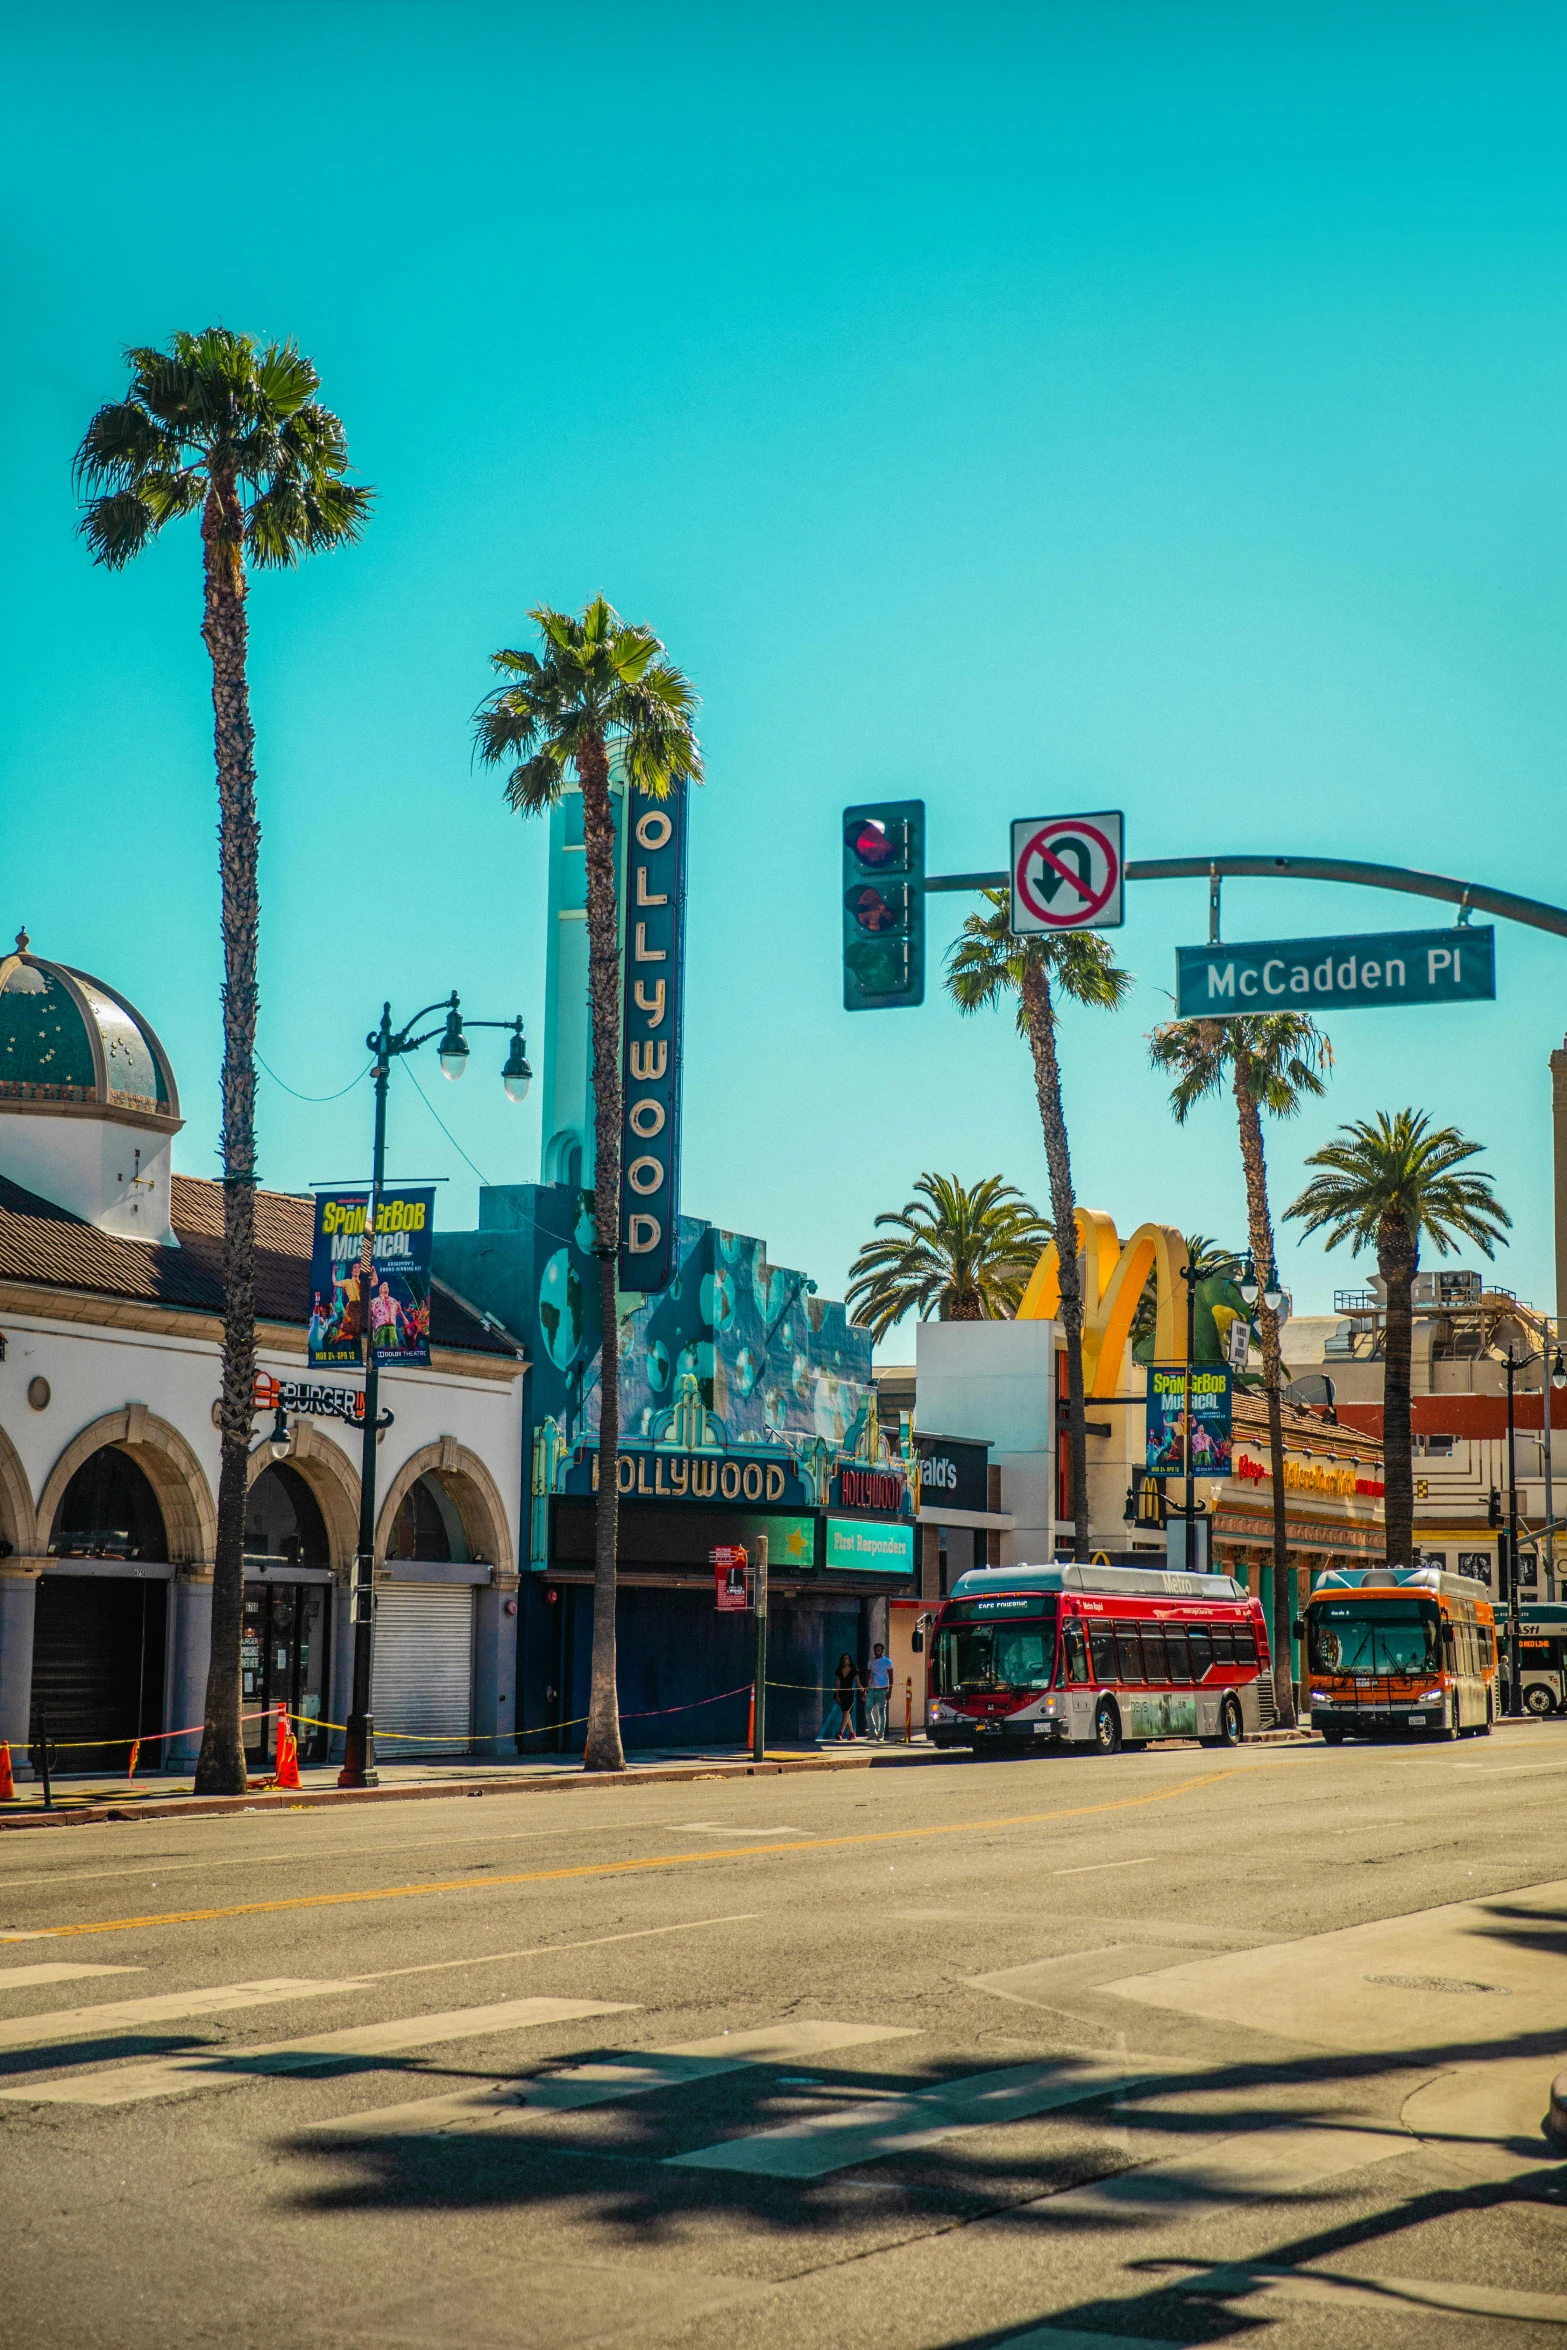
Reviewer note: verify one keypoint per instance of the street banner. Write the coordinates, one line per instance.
(1383, 969)
(652, 1017)
(391, 1296)
(1166, 1449)
(729, 1565)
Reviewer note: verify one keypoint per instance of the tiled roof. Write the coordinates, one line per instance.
(44, 1244)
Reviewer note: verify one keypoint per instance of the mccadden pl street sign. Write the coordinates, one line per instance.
(1388, 967)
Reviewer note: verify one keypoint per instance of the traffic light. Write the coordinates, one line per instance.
(1493, 1514)
(883, 905)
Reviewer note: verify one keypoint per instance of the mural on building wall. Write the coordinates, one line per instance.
(737, 1357)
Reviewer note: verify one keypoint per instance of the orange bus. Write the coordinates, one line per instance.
(1393, 1649)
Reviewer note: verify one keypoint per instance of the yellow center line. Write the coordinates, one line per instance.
(622, 1868)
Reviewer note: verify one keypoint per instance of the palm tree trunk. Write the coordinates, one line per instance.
(220, 1767)
(602, 1750)
(1397, 1257)
(1052, 1118)
(1260, 1234)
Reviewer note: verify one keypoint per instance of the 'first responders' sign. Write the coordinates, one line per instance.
(1389, 967)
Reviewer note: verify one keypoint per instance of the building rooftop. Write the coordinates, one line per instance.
(49, 1248)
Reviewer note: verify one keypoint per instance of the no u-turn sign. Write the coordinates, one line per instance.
(1067, 872)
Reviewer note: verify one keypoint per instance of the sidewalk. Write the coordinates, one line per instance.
(158, 1795)
(170, 1794)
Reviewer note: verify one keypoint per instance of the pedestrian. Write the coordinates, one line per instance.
(878, 1692)
(846, 1687)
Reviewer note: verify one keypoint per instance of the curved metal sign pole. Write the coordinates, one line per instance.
(1469, 895)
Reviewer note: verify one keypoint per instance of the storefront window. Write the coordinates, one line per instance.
(283, 1521)
(428, 1526)
(108, 1511)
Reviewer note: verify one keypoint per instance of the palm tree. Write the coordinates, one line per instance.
(965, 1256)
(596, 685)
(986, 963)
(1274, 1061)
(1384, 1182)
(224, 426)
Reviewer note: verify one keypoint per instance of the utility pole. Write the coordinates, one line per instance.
(759, 1707)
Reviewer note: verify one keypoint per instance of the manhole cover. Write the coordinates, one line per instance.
(1437, 1983)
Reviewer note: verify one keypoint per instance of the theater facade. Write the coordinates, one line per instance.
(110, 1341)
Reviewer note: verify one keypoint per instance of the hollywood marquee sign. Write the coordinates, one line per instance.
(648, 1475)
(652, 1017)
(869, 1489)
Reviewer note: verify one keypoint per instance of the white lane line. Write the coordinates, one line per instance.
(441, 1966)
(1093, 1867)
(722, 1828)
(900, 2124)
(117, 2018)
(214, 2068)
(58, 1971)
(514, 2105)
(1256, 2166)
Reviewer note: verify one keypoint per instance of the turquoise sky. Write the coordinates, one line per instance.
(1035, 409)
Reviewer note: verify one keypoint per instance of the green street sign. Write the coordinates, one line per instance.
(1385, 968)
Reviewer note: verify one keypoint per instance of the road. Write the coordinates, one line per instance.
(1171, 2047)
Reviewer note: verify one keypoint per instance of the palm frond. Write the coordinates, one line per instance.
(1397, 1169)
(986, 962)
(597, 682)
(950, 1251)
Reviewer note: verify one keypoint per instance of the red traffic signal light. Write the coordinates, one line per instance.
(869, 840)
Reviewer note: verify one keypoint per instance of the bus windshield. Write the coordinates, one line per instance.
(977, 1658)
(1375, 1636)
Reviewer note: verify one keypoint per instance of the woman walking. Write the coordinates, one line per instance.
(846, 1688)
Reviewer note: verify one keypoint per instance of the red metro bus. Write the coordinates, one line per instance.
(1107, 1657)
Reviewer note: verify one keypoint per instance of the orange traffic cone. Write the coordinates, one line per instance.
(7, 1783)
(287, 1752)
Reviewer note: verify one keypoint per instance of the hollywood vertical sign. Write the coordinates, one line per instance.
(651, 1023)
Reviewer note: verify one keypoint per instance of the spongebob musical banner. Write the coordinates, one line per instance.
(1210, 1406)
(391, 1297)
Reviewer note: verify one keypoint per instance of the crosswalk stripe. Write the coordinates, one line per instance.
(213, 2068)
(117, 2018)
(853, 2134)
(515, 2105)
(1253, 2166)
(14, 1978)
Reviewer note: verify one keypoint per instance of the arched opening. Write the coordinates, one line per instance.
(108, 1511)
(428, 1525)
(284, 1526)
(98, 1639)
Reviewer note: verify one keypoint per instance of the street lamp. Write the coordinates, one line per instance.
(1558, 1380)
(388, 1044)
(1272, 1296)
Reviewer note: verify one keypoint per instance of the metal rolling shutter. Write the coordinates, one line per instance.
(424, 1665)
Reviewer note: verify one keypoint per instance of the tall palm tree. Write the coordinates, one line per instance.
(965, 1256)
(1273, 1061)
(596, 685)
(985, 964)
(1384, 1182)
(226, 427)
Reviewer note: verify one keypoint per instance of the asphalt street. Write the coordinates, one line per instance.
(1173, 2047)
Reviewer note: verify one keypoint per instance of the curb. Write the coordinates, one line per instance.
(328, 1798)
(1556, 2119)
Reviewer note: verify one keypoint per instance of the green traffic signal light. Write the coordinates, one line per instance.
(883, 905)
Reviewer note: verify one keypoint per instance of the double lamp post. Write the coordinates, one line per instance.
(388, 1044)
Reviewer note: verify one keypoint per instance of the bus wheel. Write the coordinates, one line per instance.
(1537, 1699)
(1332, 1734)
(1107, 1728)
(1231, 1728)
(1448, 1727)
